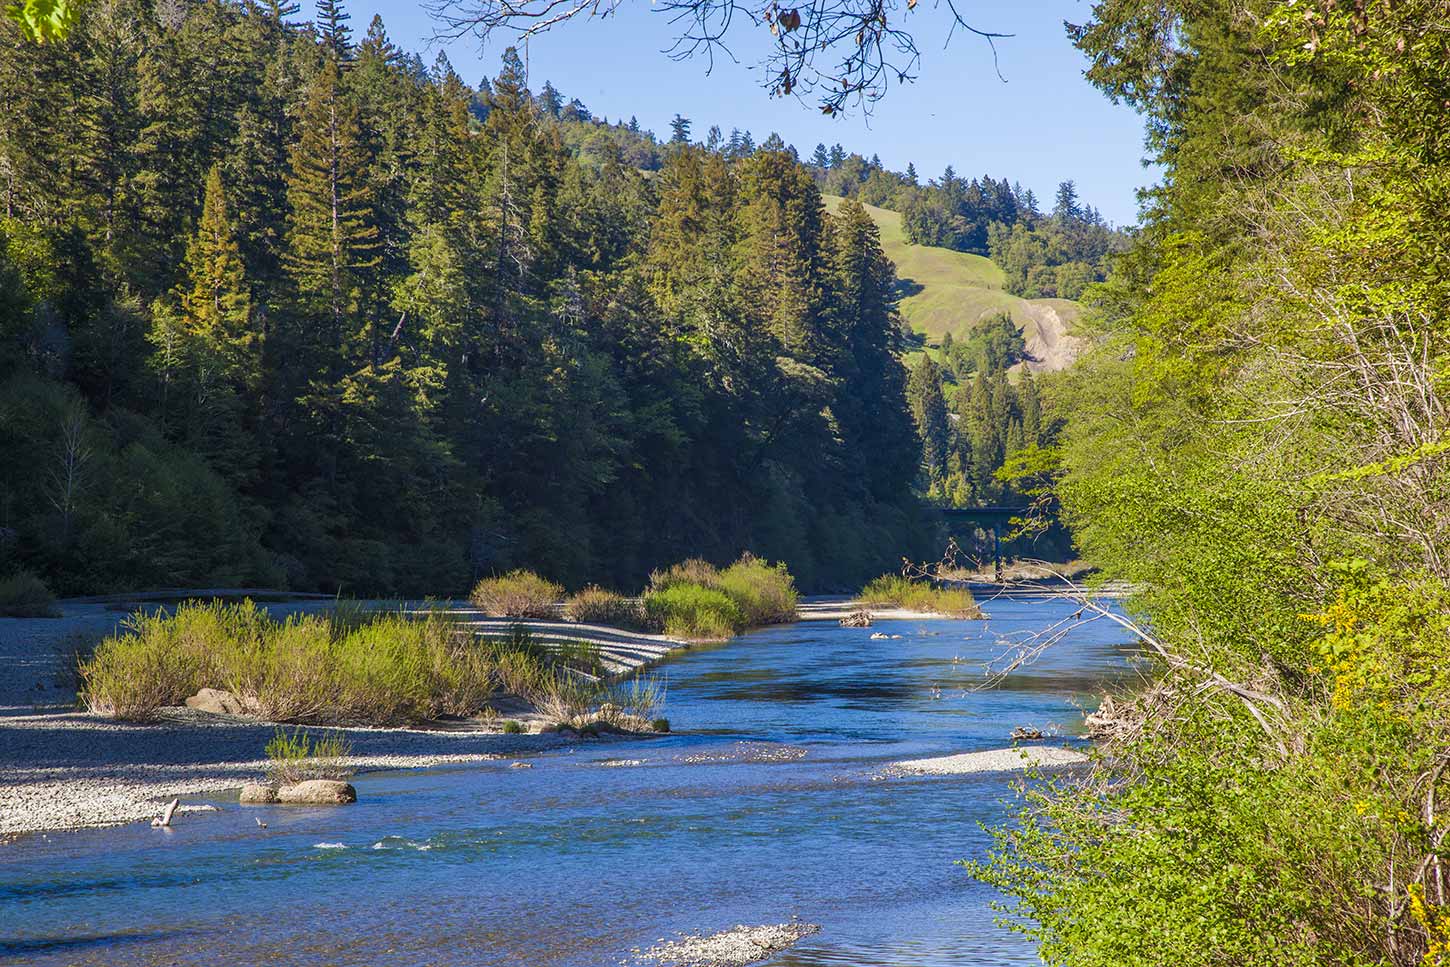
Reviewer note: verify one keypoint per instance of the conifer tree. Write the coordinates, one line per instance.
(870, 401)
(778, 252)
(549, 101)
(929, 411)
(1031, 409)
(332, 242)
(215, 302)
(332, 18)
(679, 130)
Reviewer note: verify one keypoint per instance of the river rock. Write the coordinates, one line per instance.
(258, 794)
(215, 701)
(318, 792)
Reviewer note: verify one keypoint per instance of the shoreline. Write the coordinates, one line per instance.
(66, 768)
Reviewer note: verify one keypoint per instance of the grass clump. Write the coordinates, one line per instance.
(513, 727)
(596, 606)
(694, 599)
(376, 669)
(517, 594)
(297, 757)
(23, 595)
(896, 591)
(693, 611)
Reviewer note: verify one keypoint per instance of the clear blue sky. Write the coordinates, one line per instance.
(1044, 124)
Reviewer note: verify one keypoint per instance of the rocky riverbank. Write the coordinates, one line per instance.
(71, 770)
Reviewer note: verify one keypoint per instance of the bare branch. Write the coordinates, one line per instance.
(865, 44)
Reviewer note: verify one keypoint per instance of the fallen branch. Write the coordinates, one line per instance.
(165, 818)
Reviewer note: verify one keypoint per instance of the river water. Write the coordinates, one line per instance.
(767, 802)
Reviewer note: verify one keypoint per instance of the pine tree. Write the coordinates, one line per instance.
(870, 400)
(929, 411)
(679, 130)
(207, 351)
(332, 18)
(778, 254)
(549, 101)
(215, 302)
(332, 242)
(820, 158)
(911, 173)
(1065, 208)
(734, 145)
(1031, 400)
(511, 86)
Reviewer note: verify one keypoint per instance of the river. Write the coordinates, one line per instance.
(767, 802)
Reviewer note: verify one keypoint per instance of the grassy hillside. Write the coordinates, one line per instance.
(948, 291)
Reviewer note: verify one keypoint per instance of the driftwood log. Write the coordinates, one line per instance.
(165, 818)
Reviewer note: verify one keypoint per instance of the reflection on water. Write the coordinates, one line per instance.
(766, 803)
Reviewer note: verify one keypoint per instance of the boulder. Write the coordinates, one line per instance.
(258, 794)
(215, 701)
(318, 792)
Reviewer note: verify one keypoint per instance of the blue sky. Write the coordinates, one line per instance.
(1042, 125)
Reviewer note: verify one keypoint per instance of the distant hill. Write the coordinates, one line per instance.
(947, 291)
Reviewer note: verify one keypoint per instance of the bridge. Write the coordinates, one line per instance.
(995, 519)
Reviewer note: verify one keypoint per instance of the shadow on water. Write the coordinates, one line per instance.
(39, 945)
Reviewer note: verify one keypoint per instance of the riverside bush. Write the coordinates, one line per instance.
(595, 605)
(517, 594)
(896, 591)
(693, 611)
(23, 595)
(765, 593)
(382, 669)
(701, 601)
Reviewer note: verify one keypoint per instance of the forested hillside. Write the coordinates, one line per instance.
(1042, 255)
(1260, 445)
(280, 305)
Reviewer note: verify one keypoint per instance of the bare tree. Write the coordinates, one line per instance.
(67, 474)
(844, 53)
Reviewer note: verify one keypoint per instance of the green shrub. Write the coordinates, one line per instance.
(660, 725)
(512, 727)
(896, 591)
(517, 594)
(765, 593)
(597, 606)
(297, 757)
(23, 595)
(693, 611)
(760, 592)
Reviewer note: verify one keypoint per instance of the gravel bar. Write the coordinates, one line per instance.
(994, 760)
(736, 947)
